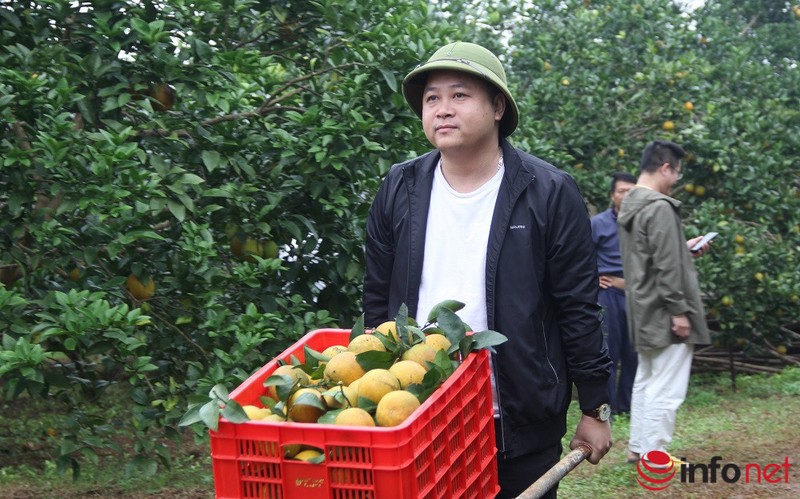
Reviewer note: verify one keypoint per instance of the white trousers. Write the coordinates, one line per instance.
(659, 389)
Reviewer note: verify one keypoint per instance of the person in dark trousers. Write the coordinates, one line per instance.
(482, 222)
(612, 295)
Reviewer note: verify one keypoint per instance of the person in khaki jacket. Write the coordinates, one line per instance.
(665, 312)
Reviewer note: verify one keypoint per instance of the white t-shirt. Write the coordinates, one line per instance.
(456, 238)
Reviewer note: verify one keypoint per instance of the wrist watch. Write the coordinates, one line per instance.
(602, 413)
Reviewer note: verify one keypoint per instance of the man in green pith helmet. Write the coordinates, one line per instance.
(482, 222)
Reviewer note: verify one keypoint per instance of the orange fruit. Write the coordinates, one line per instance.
(376, 383)
(302, 412)
(354, 416)
(408, 372)
(297, 375)
(343, 368)
(140, 291)
(395, 407)
(366, 343)
(421, 354)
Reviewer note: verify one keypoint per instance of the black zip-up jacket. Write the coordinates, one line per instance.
(541, 288)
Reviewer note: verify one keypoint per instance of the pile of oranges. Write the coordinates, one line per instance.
(374, 380)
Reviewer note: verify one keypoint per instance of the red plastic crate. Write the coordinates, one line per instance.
(446, 449)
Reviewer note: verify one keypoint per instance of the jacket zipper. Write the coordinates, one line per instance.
(547, 354)
(499, 405)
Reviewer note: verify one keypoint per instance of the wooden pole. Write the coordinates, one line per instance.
(556, 473)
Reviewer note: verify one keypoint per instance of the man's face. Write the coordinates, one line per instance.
(673, 176)
(621, 189)
(458, 111)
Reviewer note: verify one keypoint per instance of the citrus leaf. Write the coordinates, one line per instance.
(389, 343)
(487, 339)
(374, 359)
(315, 356)
(267, 402)
(358, 327)
(284, 385)
(443, 362)
(402, 315)
(416, 334)
(390, 79)
(452, 305)
(317, 372)
(452, 325)
(234, 413)
(311, 399)
(401, 323)
(329, 417)
(432, 380)
(465, 345)
(366, 404)
(219, 392)
(209, 414)
(191, 417)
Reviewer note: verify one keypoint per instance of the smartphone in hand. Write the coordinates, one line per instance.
(708, 237)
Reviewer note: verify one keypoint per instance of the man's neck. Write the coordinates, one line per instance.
(467, 171)
(650, 182)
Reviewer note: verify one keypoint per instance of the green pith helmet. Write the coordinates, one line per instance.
(468, 58)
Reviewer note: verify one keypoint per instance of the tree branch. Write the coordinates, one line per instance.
(267, 107)
(749, 25)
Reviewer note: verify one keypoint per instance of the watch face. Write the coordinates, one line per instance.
(604, 412)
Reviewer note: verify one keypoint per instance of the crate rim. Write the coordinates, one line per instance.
(472, 357)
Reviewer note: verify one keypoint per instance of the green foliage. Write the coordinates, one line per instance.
(229, 152)
(601, 79)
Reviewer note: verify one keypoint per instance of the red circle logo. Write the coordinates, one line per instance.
(655, 470)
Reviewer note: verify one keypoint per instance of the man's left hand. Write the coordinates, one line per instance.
(611, 281)
(596, 434)
(691, 242)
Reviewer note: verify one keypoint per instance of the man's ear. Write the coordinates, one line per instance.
(499, 106)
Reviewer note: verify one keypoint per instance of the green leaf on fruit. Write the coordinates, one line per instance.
(192, 416)
(313, 357)
(374, 359)
(358, 327)
(488, 339)
(309, 399)
(234, 413)
(432, 380)
(284, 385)
(451, 324)
(219, 392)
(329, 417)
(451, 305)
(209, 415)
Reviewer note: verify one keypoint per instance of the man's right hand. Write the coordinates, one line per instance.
(681, 326)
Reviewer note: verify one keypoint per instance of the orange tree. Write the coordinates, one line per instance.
(599, 79)
(183, 188)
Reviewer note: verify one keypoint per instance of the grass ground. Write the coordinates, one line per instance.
(755, 424)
